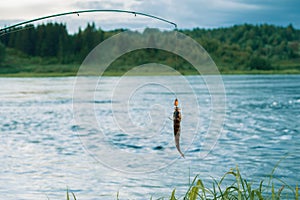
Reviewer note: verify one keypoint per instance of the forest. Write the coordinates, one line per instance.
(49, 48)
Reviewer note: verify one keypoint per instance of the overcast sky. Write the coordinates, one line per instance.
(187, 14)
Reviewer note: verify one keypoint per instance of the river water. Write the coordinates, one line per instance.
(120, 142)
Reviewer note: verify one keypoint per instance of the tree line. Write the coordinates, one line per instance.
(240, 47)
(248, 46)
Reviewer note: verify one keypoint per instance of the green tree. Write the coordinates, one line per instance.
(25, 40)
(2, 53)
(259, 63)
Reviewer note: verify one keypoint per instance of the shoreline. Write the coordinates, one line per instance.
(74, 74)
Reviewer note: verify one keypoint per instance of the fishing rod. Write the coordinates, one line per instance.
(5, 29)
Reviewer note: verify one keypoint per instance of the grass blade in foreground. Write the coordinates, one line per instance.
(240, 189)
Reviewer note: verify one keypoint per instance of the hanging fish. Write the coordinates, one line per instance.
(176, 125)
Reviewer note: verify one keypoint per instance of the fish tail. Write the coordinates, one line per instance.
(177, 136)
(178, 148)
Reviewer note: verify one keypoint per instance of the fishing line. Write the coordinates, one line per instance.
(7, 30)
(176, 53)
(176, 48)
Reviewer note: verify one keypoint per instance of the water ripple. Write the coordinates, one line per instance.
(42, 151)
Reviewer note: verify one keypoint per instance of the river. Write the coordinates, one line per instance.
(120, 142)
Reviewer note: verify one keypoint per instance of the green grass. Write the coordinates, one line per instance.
(282, 71)
(68, 195)
(239, 189)
(71, 70)
(17, 64)
(32, 75)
